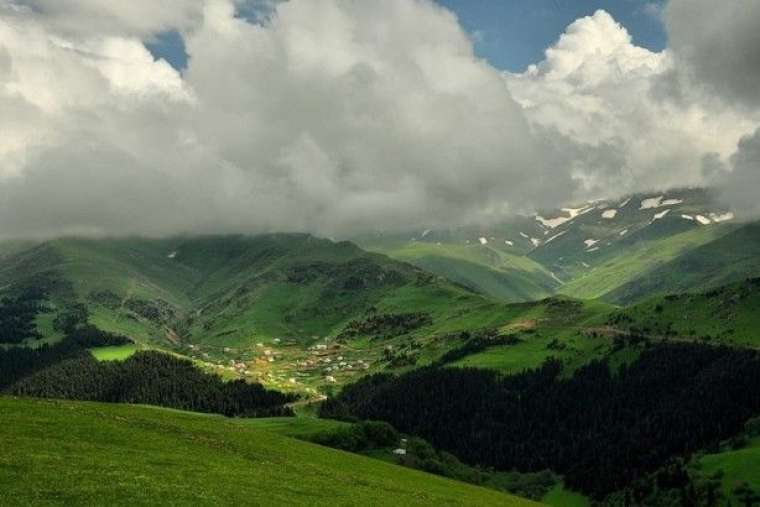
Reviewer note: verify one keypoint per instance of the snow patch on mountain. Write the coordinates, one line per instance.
(509, 243)
(553, 223)
(483, 241)
(658, 202)
(555, 237)
(687, 217)
(652, 202)
(590, 242)
(721, 217)
(524, 235)
(660, 215)
(624, 203)
(172, 255)
(536, 242)
(609, 214)
(703, 220)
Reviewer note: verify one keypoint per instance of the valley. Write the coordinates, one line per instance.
(314, 318)
(275, 308)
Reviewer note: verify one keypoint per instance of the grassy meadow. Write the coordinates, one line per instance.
(61, 452)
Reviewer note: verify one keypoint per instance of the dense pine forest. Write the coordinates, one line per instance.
(602, 430)
(152, 378)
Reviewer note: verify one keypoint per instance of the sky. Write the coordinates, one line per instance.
(512, 34)
(339, 116)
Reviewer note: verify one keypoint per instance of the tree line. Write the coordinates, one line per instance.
(152, 378)
(17, 315)
(601, 429)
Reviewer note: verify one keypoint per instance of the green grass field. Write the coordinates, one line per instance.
(303, 427)
(57, 452)
(736, 466)
(119, 353)
(561, 497)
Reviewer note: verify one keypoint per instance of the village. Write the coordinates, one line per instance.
(286, 364)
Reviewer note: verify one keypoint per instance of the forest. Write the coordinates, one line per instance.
(152, 378)
(68, 370)
(17, 314)
(602, 430)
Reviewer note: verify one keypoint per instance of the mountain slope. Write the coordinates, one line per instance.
(633, 262)
(726, 315)
(589, 251)
(727, 259)
(226, 289)
(67, 452)
(498, 273)
(249, 306)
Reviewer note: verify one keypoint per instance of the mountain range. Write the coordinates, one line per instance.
(606, 281)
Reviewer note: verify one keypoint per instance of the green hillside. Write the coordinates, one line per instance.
(556, 327)
(86, 453)
(227, 291)
(726, 259)
(736, 469)
(249, 306)
(634, 262)
(498, 273)
(301, 313)
(726, 314)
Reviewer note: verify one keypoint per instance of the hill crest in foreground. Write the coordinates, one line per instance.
(90, 453)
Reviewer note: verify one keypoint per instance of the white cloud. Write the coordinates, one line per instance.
(331, 115)
(597, 87)
(327, 116)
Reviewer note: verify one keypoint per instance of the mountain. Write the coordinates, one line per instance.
(487, 269)
(60, 451)
(600, 249)
(490, 260)
(287, 307)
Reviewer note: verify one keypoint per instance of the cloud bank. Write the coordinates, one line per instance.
(332, 116)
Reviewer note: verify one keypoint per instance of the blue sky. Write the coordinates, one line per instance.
(510, 34)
